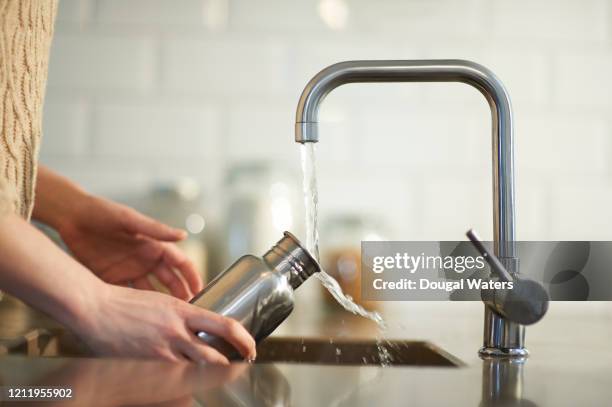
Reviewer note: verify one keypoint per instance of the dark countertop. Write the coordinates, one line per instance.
(571, 364)
(120, 382)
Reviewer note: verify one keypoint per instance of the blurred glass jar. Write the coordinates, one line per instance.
(341, 252)
(262, 201)
(179, 204)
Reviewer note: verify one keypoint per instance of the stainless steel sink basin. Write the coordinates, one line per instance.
(353, 352)
(274, 350)
(281, 350)
(27, 332)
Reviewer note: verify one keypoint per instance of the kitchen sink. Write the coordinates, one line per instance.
(30, 333)
(353, 352)
(277, 350)
(272, 350)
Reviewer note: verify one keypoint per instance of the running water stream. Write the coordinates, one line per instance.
(311, 201)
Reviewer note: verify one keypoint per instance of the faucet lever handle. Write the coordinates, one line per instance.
(525, 303)
(496, 266)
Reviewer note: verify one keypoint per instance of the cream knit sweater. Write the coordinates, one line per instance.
(26, 29)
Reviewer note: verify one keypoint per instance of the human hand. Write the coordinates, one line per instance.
(124, 247)
(111, 319)
(120, 382)
(122, 321)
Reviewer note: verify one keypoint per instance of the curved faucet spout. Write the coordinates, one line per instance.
(448, 70)
(501, 336)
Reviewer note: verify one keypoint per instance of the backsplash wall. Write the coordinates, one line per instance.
(143, 91)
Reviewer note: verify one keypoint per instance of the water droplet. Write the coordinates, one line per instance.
(384, 355)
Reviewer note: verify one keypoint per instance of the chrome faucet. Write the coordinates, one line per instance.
(502, 337)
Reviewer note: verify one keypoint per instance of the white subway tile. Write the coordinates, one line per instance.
(580, 210)
(580, 81)
(532, 208)
(216, 14)
(205, 13)
(207, 172)
(74, 12)
(434, 18)
(562, 20)
(65, 129)
(156, 131)
(454, 205)
(396, 151)
(92, 62)
(418, 139)
(478, 139)
(227, 67)
(109, 177)
(259, 131)
(275, 15)
(339, 136)
(384, 196)
(561, 146)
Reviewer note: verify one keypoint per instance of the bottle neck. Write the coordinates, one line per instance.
(290, 259)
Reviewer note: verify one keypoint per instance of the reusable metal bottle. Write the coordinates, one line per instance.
(257, 292)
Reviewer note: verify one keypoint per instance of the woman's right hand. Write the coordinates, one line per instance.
(146, 324)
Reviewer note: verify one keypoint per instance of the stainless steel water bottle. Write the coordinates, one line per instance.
(257, 292)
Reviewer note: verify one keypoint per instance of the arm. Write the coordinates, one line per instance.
(56, 198)
(113, 320)
(26, 255)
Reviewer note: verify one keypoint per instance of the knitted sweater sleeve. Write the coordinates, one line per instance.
(26, 30)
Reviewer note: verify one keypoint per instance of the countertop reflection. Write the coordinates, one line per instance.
(570, 365)
(115, 382)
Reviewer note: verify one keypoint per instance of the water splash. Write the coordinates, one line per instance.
(311, 202)
(383, 352)
(346, 301)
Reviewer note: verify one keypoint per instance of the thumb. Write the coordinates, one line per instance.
(138, 223)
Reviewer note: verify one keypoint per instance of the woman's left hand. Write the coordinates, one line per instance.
(125, 247)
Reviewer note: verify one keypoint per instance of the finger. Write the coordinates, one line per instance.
(226, 328)
(129, 269)
(137, 223)
(143, 283)
(169, 356)
(175, 284)
(198, 352)
(175, 258)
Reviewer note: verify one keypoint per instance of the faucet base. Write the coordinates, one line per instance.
(489, 352)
